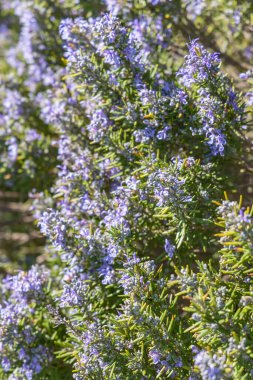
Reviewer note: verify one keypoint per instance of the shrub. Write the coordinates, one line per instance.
(126, 153)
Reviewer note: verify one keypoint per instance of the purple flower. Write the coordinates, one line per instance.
(12, 149)
(216, 140)
(155, 355)
(200, 65)
(211, 368)
(169, 248)
(6, 364)
(163, 133)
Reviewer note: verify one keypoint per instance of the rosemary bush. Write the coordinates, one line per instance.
(125, 149)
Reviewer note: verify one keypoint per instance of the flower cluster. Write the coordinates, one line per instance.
(215, 107)
(23, 354)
